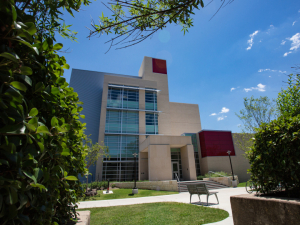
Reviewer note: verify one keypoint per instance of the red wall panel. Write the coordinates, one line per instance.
(216, 143)
(159, 66)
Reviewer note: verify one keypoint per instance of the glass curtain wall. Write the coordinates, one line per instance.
(151, 100)
(196, 153)
(119, 166)
(151, 123)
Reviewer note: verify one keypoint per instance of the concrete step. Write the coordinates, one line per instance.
(211, 185)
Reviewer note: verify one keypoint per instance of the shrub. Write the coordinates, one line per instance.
(216, 174)
(200, 177)
(41, 148)
(275, 155)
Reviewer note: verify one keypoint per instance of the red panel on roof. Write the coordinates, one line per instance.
(216, 143)
(159, 66)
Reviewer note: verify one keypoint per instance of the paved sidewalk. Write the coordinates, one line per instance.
(223, 195)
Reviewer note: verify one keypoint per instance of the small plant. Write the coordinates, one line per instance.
(200, 177)
(217, 174)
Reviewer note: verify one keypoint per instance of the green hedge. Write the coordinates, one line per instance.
(275, 155)
(41, 148)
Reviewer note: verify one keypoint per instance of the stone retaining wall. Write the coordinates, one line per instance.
(255, 210)
(223, 180)
(169, 185)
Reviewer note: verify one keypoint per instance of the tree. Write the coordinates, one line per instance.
(288, 101)
(93, 152)
(41, 136)
(141, 19)
(257, 111)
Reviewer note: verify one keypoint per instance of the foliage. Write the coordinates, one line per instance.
(200, 177)
(275, 155)
(157, 213)
(93, 152)
(41, 137)
(257, 111)
(125, 193)
(288, 101)
(217, 174)
(97, 185)
(141, 19)
(244, 141)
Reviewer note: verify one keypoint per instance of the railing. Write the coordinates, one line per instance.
(178, 180)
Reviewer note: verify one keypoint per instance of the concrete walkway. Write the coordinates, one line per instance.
(223, 195)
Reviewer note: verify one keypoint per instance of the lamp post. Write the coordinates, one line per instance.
(135, 190)
(233, 180)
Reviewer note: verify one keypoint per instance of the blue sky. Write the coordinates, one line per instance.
(247, 49)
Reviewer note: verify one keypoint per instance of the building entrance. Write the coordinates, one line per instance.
(175, 169)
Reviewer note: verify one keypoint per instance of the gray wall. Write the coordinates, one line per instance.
(89, 86)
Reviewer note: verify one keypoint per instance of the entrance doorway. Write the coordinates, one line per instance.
(175, 169)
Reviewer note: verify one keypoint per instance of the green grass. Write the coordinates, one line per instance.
(126, 193)
(242, 184)
(156, 213)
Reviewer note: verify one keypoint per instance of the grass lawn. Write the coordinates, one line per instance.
(242, 184)
(126, 193)
(156, 213)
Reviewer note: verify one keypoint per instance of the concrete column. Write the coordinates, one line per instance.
(188, 163)
(159, 162)
(143, 166)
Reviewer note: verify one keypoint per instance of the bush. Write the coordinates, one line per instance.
(41, 147)
(275, 155)
(200, 177)
(217, 174)
(97, 185)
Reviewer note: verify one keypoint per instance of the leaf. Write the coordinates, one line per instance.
(34, 121)
(14, 13)
(31, 29)
(23, 199)
(25, 70)
(9, 56)
(66, 66)
(26, 79)
(38, 173)
(57, 46)
(31, 127)
(41, 145)
(43, 129)
(54, 122)
(55, 91)
(29, 175)
(33, 112)
(19, 85)
(12, 197)
(39, 87)
(3, 162)
(71, 178)
(42, 187)
(82, 116)
(13, 129)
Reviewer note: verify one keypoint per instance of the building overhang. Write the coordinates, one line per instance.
(172, 141)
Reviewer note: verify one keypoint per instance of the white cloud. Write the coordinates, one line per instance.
(282, 42)
(213, 114)
(232, 89)
(279, 71)
(224, 110)
(250, 41)
(221, 118)
(260, 87)
(295, 44)
(294, 22)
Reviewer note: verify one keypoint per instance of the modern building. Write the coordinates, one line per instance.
(133, 114)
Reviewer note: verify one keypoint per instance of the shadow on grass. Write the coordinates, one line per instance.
(130, 194)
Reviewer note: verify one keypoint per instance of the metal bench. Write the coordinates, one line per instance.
(200, 189)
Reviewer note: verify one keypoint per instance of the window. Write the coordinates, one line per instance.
(123, 98)
(151, 100)
(122, 122)
(151, 123)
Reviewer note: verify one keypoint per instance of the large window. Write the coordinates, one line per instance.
(151, 100)
(122, 122)
(123, 98)
(119, 166)
(151, 123)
